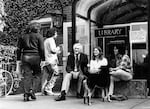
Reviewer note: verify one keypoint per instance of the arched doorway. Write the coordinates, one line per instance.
(100, 14)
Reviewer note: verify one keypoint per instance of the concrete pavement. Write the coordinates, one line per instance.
(48, 102)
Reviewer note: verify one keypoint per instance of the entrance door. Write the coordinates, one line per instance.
(109, 37)
(108, 43)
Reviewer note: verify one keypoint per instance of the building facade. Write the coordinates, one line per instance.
(99, 23)
(2, 13)
(106, 23)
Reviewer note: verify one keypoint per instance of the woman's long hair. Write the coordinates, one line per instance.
(51, 32)
(100, 53)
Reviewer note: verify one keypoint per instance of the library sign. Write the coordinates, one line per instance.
(118, 31)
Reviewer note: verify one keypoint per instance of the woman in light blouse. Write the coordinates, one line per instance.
(122, 72)
(98, 73)
(97, 61)
(97, 69)
(50, 68)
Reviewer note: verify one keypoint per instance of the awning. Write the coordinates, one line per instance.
(113, 11)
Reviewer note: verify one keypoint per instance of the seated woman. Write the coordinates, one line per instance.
(98, 74)
(122, 72)
(115, 57)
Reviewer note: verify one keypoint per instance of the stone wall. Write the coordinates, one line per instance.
(136, 88)
(67, 11)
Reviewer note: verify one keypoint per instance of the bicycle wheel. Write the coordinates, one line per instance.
(6, 89)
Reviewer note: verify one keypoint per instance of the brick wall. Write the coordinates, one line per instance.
(67, 11)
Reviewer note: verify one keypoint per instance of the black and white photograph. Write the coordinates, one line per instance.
(74, 54)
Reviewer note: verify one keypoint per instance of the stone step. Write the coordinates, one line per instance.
(136, 88)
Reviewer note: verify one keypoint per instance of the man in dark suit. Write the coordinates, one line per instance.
(76, 69)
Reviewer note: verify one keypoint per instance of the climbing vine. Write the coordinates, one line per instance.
(20, 12)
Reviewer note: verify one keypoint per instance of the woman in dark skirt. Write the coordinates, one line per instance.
(98, 73)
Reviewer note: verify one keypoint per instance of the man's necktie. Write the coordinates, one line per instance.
(76, 63)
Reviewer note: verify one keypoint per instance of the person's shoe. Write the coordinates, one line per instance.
(44, 93)
(32, 95)
(26, 97)
(60, 98)
(109, 98)
(79, 95)
(49, 92)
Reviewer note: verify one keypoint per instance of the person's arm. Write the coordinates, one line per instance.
(104, 62)
(92, 68)
(41, 47)
(69, 64)
(19, 48)
(18, 62)
(53, 48)
(85, 64)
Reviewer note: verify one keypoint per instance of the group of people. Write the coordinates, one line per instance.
(36, 54)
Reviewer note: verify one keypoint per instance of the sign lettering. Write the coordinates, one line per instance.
(101, 32)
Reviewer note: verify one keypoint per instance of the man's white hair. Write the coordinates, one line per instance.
(78, 45)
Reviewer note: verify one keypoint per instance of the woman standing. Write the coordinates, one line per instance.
(51, 62)
(30, 53)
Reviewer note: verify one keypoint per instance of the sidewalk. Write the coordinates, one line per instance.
(48, 102)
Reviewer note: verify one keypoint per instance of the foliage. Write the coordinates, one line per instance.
(20, 12)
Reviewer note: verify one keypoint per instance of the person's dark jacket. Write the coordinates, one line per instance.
(31, 43)
(83, 61)
(114, 61)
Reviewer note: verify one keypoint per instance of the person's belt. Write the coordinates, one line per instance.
(30, 51)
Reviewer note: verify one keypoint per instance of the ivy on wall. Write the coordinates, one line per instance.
(20, 12)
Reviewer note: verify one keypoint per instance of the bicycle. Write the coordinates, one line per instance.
(6, 82)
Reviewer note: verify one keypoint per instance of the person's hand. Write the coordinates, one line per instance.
(88, 65)
(58, 50)
(18, 75)
(92, 71)
(18, 68)
(56, 72)
(46, 63)
(42, 64)
(111, 69)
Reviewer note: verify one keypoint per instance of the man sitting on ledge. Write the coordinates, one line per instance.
(76, 68)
